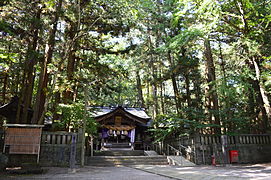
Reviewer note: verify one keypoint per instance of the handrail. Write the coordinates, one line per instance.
(187, 149)
(178, 152)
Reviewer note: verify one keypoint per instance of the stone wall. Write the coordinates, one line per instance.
(54, 155)
(56, 148)
(253, 153)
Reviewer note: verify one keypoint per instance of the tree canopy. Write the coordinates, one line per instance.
(195, 65)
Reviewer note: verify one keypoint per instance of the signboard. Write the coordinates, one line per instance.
(23, 139)
(118, 120)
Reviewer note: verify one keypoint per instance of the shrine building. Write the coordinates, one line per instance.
(122, 127)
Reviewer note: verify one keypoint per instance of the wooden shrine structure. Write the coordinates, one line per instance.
(119, 125)
(9, 111)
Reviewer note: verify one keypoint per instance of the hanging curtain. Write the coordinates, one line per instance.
(132, 140)
(104, 133)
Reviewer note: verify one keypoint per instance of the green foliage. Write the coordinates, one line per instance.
(73, 115)
(6, 28)
(104, 43)
(182, 39)
(189, 121)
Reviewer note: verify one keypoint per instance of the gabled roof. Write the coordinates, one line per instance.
(136, 114)
(10, 110)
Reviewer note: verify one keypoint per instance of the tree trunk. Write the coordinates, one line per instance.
(31, 61)
(69, 93)
(212, 97)
(4, 88)
(141, 102)
(155, 99)
(162, 95)
(174, 84)
(228, 125)
(148, 96)
(261, 97)
(187, 87)
(44, 75)
(153, 70)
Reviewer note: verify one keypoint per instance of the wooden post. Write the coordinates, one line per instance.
(197, 146)
(73, 152)
(91, 145)
(203, 154)
(102, 143)
(224, 143)
(84, 130)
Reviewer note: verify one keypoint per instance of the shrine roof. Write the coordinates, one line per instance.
(138, 112)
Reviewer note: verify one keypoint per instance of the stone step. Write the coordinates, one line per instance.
(119, 153)
(126, 160)
(117, 145)
(151, 153)
(179, 161)
(102, 164)
(116, 149)
(128, 157)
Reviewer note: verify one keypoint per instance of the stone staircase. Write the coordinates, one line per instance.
(115, 146)
(124, 157)
(126, 160)
(119, 153)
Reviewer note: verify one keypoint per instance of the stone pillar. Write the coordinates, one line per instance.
(197, 147)
(225, 153)
(73, 152)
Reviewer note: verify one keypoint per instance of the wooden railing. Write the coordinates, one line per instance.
(157, 147)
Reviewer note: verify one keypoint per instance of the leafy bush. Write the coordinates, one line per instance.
(72, 116)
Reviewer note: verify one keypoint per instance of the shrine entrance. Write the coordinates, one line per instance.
(121, 128)
(118, 134)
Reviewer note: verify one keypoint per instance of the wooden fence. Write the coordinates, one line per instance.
(59, 148)
(240, 139)
(252, 148)
(57, 138)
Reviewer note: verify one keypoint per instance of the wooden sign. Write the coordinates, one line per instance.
(21, 139)
(118, 120)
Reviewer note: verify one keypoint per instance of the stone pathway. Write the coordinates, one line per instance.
(252, 172)
(153, 172)
(179, 161)
(89, 173)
